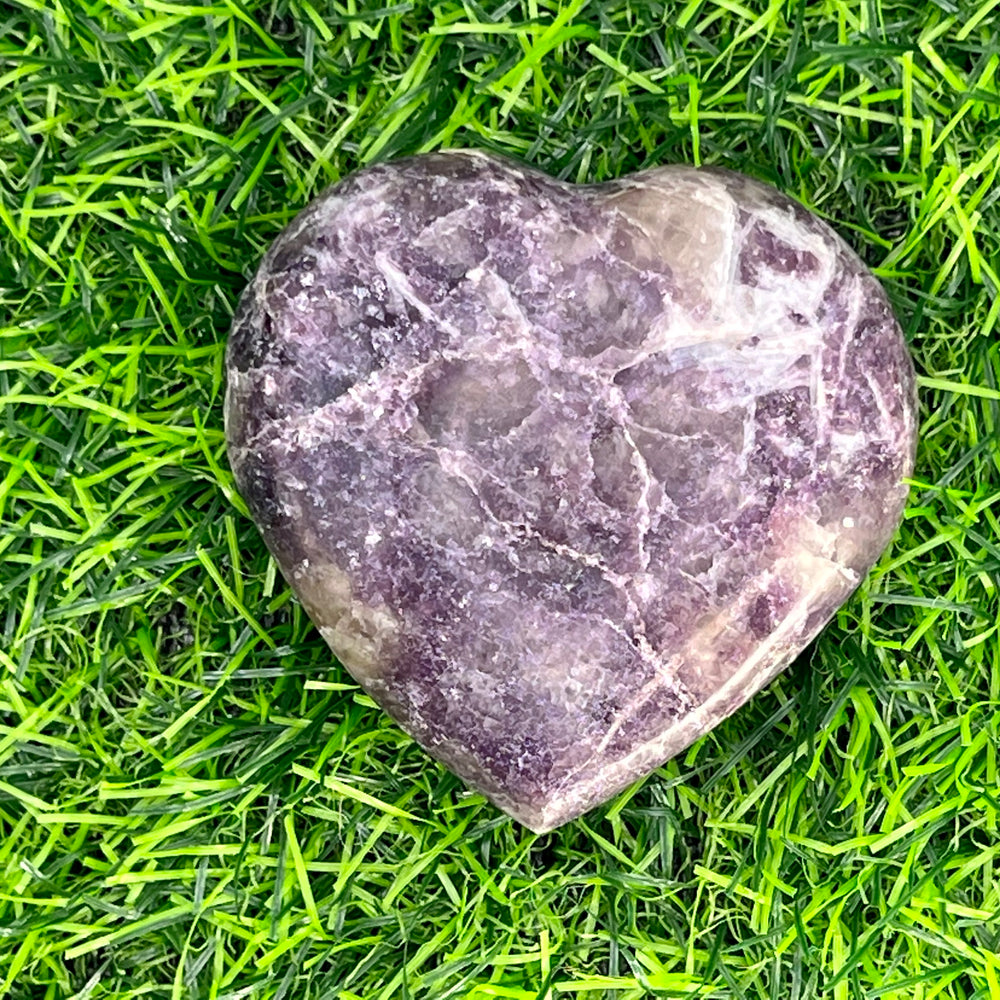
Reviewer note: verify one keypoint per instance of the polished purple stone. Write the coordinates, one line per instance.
(565, 474)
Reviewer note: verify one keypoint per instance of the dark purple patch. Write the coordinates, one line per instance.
(763, 251)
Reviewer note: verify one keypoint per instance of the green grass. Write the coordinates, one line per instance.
(194, 801)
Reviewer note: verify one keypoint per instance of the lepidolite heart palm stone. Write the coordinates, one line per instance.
(565, 474)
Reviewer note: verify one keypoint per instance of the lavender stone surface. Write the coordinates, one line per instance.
(565, 474)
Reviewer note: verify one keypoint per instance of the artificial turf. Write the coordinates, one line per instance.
(195, 801)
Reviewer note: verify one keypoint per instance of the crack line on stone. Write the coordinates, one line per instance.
(395, 378)
(643, 509)
(621, 582)
(660, 682)
(397, 281)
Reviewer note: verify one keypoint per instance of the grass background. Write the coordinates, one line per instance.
(193, 801)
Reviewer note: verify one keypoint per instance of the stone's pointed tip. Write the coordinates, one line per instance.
(541, 826)
(540, 818)
(566, 474)
(535, 821)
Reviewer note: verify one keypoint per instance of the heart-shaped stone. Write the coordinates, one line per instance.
(565, 474)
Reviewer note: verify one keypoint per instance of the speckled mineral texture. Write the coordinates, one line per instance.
(565, 474)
